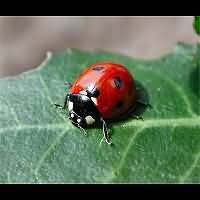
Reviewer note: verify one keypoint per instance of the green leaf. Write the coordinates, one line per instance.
(196, 24)
(39, 144)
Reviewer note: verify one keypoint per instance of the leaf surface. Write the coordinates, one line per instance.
(38, 144)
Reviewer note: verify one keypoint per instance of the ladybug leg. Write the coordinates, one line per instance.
(85, 133)
(143, 103)
(66, 100)
(57, 105)
(105, 132)
(131, 112)
(138, 117)
(65, 103)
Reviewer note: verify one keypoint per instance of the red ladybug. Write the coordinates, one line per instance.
(102, 92)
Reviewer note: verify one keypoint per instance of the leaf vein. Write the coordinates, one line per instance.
(48, 95)
(185, 122)
(35, 126)
(188, 172)
(13, 113)
(124, 156)
(47, 152)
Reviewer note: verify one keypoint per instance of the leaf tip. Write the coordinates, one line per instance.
(49, 55)
(69, 51)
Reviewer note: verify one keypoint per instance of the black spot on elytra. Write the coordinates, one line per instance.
(118, 82)
(119, 105)
(97, 68)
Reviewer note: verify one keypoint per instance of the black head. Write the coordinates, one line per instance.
(82, 110)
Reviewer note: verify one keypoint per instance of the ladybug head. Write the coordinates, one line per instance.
(82, 110)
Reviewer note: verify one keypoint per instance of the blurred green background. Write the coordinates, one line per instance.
(25, 40)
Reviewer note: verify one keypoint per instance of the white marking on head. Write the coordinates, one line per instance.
(89, 120)
(72, 115)
(83, 92)
(70, 105)
(84, 98)
(94, 100)
(78, 120)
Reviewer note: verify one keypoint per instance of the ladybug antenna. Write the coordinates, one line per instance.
(79, 127)
(105, 132)
(82, 129)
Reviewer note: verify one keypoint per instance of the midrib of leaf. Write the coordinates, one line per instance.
(185, 122)
(149, 123)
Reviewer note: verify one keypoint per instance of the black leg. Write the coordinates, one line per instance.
(138, 117)
(65, 103)
(58, 105)
(143, 103)
(139, 100)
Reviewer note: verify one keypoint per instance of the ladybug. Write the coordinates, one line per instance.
(104, 91)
